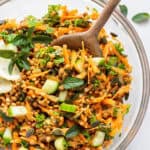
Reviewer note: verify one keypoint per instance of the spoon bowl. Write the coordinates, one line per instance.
(74, 41)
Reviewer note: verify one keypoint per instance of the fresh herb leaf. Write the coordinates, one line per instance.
(72, 82)
(128, 108)
(58, 60)
(141, 17)
(24, 143)
(31, 21)
(42, 39)
(95, 82)
(5, 117)
(40, 118)
(113, 61)
(52, 17)
(8, 54)
(86, 134)
(115, 112)
(119, 48)
(73, 131)
(8, 37)
(121, 66)
(81, 23)
(49, 30)
(124, 10)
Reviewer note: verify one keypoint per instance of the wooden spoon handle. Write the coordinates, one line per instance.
(104, 16)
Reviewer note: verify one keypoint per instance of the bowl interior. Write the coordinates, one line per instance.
(21, 8)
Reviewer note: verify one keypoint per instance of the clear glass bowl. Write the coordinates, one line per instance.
(118, 24)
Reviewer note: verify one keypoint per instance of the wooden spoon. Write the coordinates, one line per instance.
(74, 41)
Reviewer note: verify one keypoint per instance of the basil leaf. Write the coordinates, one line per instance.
(5, 117)
(73, 131)
(141, 17)
(42, 39)
(72, 82)
(124, 10)
(7, 54)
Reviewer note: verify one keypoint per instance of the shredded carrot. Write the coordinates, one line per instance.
(29, 109)
(66, 54)
(39, 74)
(39, 91)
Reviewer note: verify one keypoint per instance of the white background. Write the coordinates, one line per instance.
(142, 139)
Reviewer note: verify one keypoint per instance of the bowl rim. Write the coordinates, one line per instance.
(145, 73)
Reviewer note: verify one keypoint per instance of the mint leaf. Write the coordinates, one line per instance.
(72, 82)
(124, 10)
(7, 54)
(141, 17)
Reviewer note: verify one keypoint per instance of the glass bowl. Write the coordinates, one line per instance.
(139, 94)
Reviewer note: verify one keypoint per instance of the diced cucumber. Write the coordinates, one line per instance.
(60, 143)
(99, 61)
(68, 107)
(11, 47)
(16, 111)
(7, 136)
(50, 86)
(62, 96)
(79, 65)
(98, 139)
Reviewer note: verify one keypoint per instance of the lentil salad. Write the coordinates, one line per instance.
(62, 99)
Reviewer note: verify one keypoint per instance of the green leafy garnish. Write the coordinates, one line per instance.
(58, 60)
(20, 59)
(124, 10)
(72, 82)
(49, 30)
(115, 112)
(113, 61)
(128, 108)
(32, 21)
(7, 54)
(52, 17)
(42, 39)
(86, 134)
(8, 37)
(119, 48)
(40, 118)
(141, 17)
(73, 131)
(24, 143)
(81, 23)
(5, 117)
(95, 82)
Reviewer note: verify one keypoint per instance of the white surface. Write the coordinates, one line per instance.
(141, 141)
